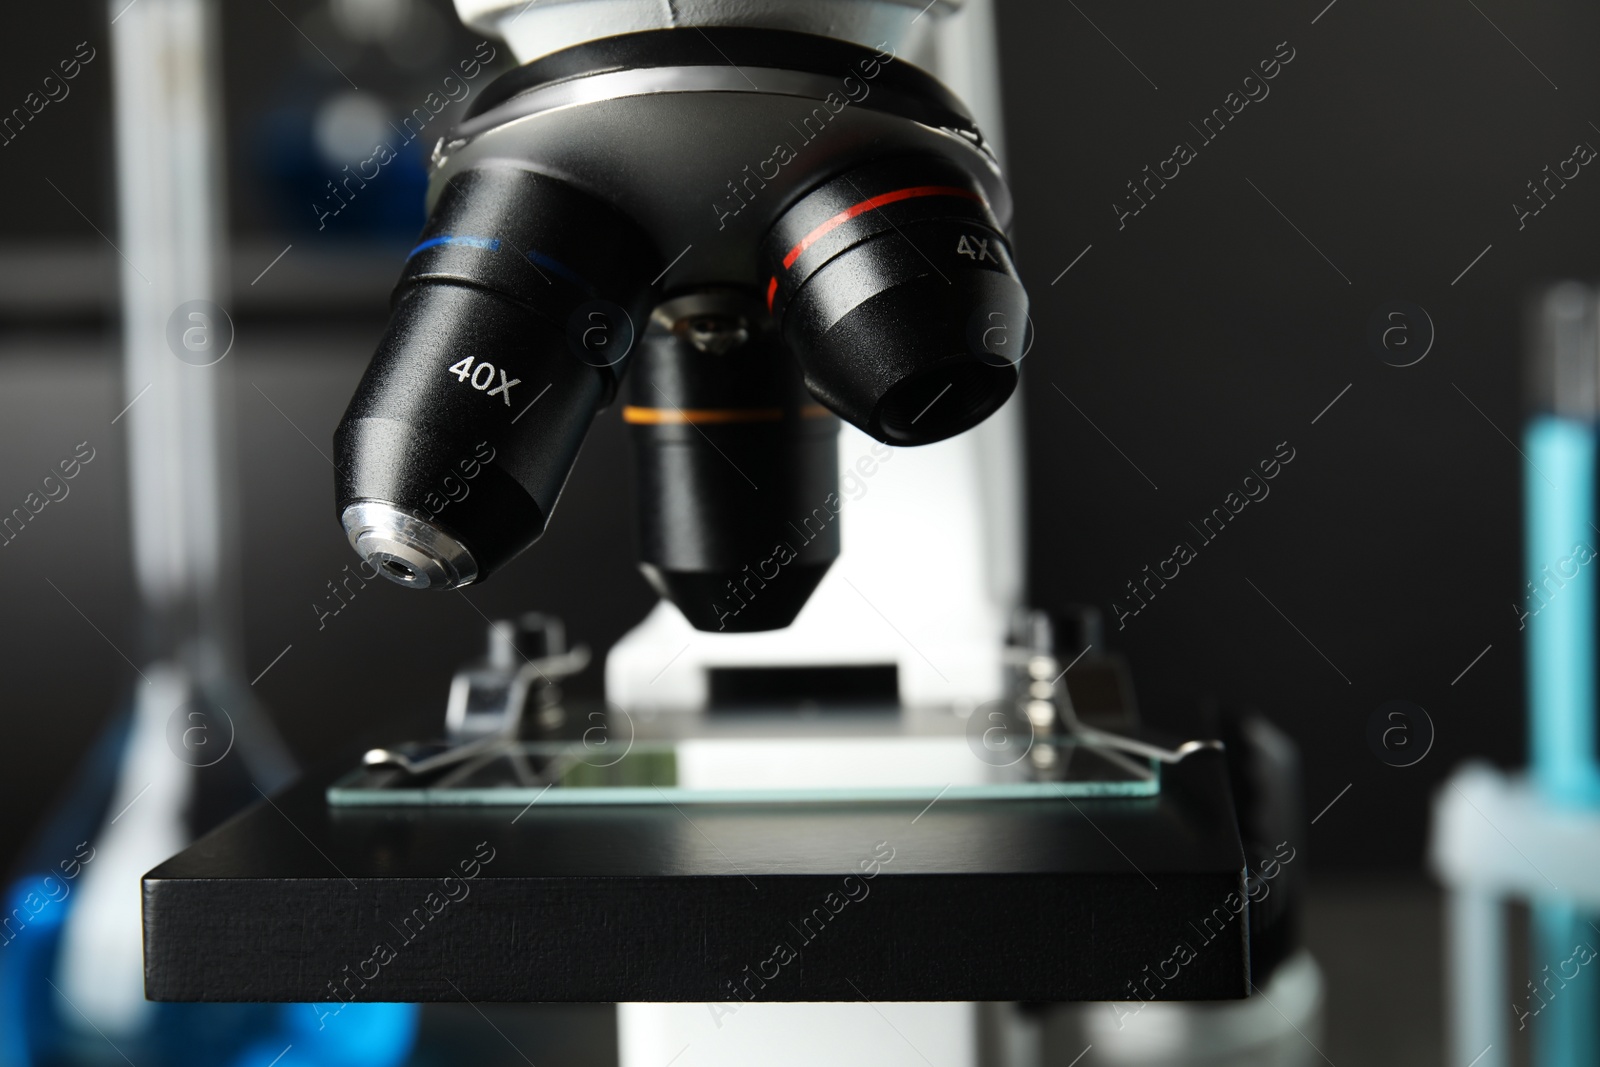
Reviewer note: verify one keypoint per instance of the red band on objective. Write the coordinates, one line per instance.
(772, 291)
(867, 205)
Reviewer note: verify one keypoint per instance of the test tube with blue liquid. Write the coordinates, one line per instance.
(1560, 543)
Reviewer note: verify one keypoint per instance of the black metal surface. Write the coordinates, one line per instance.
(1057, 900)
(1264, 773)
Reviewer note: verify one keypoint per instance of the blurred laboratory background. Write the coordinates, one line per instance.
(1188, 326)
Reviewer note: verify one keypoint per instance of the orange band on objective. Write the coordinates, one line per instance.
(697, 416)
(639, 416)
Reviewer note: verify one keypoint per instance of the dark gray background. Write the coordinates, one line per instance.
(1208, 330)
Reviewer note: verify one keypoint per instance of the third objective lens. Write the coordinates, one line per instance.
(876, 277)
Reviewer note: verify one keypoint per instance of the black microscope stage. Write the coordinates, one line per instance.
(1018, 900)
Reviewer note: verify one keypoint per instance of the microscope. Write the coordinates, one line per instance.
(756, 233)
(782, 247)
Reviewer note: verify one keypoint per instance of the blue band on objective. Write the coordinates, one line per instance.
(490, 243)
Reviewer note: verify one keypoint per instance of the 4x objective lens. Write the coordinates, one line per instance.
(878, 278)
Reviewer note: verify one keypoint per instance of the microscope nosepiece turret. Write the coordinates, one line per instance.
(783, 230)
